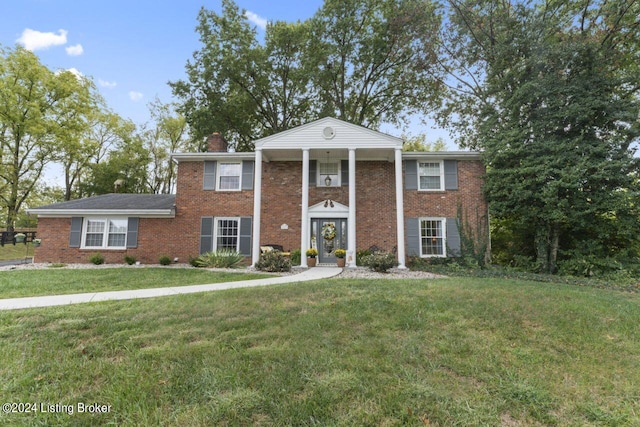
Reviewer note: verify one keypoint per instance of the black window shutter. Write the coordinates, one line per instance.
(411, 174)
(453, 238)
(247, 174)
(245, 235)
(413, 236)
(206, 234)
(450, 174)
(313, 169)
(344, 170)
(209, 175)
(75, 236)
(132, 232)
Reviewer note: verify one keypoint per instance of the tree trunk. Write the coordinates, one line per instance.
(542, 247)
(553, 248)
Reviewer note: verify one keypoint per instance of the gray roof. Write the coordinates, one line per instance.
(115, 202)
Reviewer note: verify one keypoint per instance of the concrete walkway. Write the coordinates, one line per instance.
(315, 273)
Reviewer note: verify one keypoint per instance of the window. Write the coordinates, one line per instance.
(430, 176)
(432, 237)
(226, 234)
(105, 233)
(331, 170)
(229, 176)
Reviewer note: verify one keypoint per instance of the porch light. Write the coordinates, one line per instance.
(327, 181)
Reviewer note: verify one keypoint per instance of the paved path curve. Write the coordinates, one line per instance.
(315, 273)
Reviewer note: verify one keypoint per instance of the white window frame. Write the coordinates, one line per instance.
(216, 230)
(219, 175)
(441, 165)
(105, 232)
(334, 182)
(443, 221)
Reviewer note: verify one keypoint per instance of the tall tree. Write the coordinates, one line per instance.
(166, 135)
(375, 60)
(242, 88)
(39, 111)
(364, 61)
(549, 90)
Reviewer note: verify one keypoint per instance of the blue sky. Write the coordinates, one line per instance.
(132, 48)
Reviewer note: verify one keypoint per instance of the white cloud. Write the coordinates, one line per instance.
(34, 40)
(107, 84)
(73, 71)
(135, 96)
(75, 50)
(256, 19)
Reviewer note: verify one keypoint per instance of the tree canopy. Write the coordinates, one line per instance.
(364, 61)
(549, 91)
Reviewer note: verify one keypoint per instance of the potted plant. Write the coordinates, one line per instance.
(340, 254)
(36, 242)
(311, 257)
(20, 237)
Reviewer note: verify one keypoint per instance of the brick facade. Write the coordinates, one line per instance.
(281, 196)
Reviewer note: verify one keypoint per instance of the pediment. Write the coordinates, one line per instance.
(328, 207)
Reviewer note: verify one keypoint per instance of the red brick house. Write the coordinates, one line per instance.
(327, 184)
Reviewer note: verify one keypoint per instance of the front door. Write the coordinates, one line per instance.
(327, 235)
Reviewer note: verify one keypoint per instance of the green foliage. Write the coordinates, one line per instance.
(419, 143)
(553, 102)
(380, 262)
(296, 257)
(164, 260)
(130, 259)
(96, 258)
(273, 261)
(364, 61)
(219, 259)
(360, 254)
(474, 242)
(41, 112)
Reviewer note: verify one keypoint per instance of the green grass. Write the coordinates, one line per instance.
(22, 283)
(10, 252)
(463, 351)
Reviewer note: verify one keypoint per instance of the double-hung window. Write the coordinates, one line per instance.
(105, 233)
(328, 174)
(226, 234)
(432, 237)
(229, 176)
(430, 176)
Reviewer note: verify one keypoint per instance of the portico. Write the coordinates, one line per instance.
(330, 151)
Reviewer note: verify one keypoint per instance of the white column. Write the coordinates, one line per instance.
(400, 208)
(257, 201)
(351, 223)
(304, 223)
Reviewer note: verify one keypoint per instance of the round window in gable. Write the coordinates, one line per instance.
(328, 132)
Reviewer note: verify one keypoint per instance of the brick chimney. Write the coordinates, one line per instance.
(216, 143)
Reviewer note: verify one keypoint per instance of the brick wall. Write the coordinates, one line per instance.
(281, 198)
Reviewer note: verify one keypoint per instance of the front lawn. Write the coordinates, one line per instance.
(28, 283)
(445, 352)
(20, 251)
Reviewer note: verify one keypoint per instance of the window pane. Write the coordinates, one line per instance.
(429, 176)
(328, 169)
(227, 234)
(229, 182)
(431, 237)
(430, 182)
(93, 239)
(230, 176)
(94, 226)
(118, 226)
(116, 240)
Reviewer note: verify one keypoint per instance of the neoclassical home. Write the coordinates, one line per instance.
(327, 184)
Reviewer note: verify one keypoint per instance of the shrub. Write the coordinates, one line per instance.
(380, 262)
(130, 259)
(219, 259)
(97, 258)
(296, 256)
(164, 260)
(360, 254)
(273, 261)
(193, 261)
